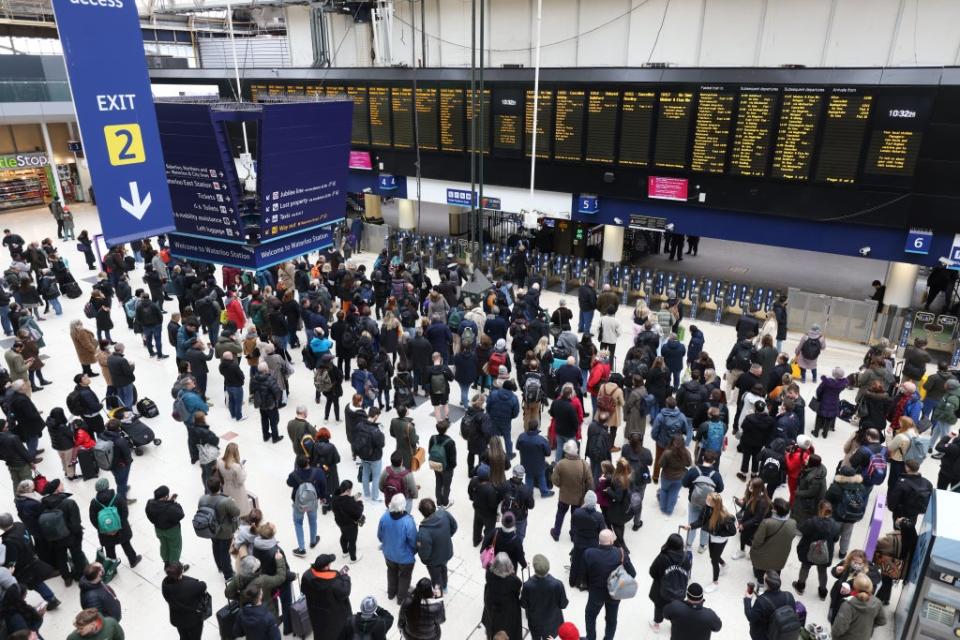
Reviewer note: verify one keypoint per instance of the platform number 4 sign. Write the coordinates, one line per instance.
(919, 241)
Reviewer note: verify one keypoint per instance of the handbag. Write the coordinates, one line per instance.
(205, 609)
(207, 453)
(814, 404)
(889, 566)
(418, 458)
(109, 565)
(488, 553)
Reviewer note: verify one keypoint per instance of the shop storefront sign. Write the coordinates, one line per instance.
(24, 160)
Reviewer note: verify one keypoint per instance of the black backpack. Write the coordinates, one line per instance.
(363, 443)
(73, 403)
(784, 622)
(513, 503)
(469, 426)
(810, 349)
(309, 357)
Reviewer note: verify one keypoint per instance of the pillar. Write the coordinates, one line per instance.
(83, 174)
(371, 205)
(612, 243)
(901, 282)
(53, 165)
(408, 214)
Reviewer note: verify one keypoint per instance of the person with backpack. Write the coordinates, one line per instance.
(716, 522)
(753, 509)
(811, 488)
(506, 539)
(309, 488)
(700, 480)
(503, 407)
(756, 431)
(670, 574)
(62, 530)
(771, 612)
(367, 444)
(693, 398)
(808, 351)
(870, 460)
(267, 397)
(518, 500)
(328, 382)
(600, 562)
(773, 465)
(905, 445)
(439, 377)
(689, 619)
(818, 535)
(256, 578)
(110, 517)
(909, 497)
(442, 458)
(233, 381)
(670, 422)
(113, 453)
(849, 499)
(165, 513)
(95, 594)
(945, 415)
(299, 428)
(711, 435)
(397, 479)
(216, 520)
(397, 533)
(183, 594)
(741, 356)
(773, 540)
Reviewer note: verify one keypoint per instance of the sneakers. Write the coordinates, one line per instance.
(710, 588)
(655, 626)
(739, 555)
(299, 552)
(135, 561)
(357, 559)
(798, 586)
(315, 542)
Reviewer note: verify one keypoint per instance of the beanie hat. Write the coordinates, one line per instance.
(368, 607)
(694, 592)
(590, 499)
(518, 471)
(541, 566)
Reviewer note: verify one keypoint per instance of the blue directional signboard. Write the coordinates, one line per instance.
(204, 188)
(249, 257)
(103, 49)
(919, 241)
(304, 155)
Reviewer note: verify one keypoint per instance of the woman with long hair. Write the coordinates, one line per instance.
(617, 493)
(859, 614)
(496, 458)
(753, 508)
(856, 563)
(816, 533)
(720, 525)
(421, 615)
(674, 462)
(656, 382)
(894, 550)
(234, 476)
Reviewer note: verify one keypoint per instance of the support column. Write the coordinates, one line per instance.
(612, 243)
(48, 147)
(901, 282)
(83, 174)
(371, 204)
(408, 214)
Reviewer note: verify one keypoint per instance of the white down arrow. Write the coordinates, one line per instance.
(136, 207)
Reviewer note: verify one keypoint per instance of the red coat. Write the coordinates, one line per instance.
(82, 440)
(235, 313)
(796, 460)
(599, 372)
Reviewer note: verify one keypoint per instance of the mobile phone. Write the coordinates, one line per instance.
(751, 587)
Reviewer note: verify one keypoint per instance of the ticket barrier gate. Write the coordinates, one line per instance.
(638, 282)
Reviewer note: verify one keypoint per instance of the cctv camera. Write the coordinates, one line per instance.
(864, 251)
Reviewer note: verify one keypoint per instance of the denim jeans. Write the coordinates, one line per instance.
(779, 346)
(126, 395)
(803, 375)
(595, 602)
(585, 375)
(5, 320)
(586, 321)
(235, 401)
(298, 525)
(522, 530)
(120, 476)
(153, 339)
(32, 443)
(667, 496)
(693, 514)
(540, 481)
(45, 592)
(927, 408)
(507, 441)
(464, 395)
(55, 303)
(370, 470)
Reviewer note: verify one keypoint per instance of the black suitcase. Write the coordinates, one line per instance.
(300, 618)
(226, 619)
(147, 408)
(71, 290)
(88, 465)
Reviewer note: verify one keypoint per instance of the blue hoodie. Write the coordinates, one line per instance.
(668, 423)
(398, 533)
(321, 345)
(502, 407)
(695, 346)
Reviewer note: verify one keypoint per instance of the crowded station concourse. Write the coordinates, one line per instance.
(421, 463)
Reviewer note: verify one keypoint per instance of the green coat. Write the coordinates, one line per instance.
(946, 410)
(111, 631)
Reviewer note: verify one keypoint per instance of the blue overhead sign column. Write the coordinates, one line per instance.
(103, 49)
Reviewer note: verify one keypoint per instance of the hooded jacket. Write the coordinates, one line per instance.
(398, 533)
(435, 538)
(835, 491)
(811, 488)
(71, 515)
(670, 422)
(97, 595)
(373, 628)
(164, 514)
(502, 407)
(857, 619)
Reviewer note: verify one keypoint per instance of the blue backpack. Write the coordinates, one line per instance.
(714, 438)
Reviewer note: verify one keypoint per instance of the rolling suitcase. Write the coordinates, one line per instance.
(88, 465)
(226, 619)
(300, 618)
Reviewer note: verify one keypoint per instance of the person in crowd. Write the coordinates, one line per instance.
(66, 539)
(368, 443)
(675, 461)
(95, 594)
(848, 497)
(756, 430)
(949, 451)
(225, 513)
(327, 593)
(21, 558)
(121, 374)
(256, 575)
(421, 616)
(587, 305)
(720, 526)
(828, 395)
(565, 420)
(818, 535)
(398, 535)
(860, 614)
(944, 414)
(110, 517)
(501, 599)
(435, 542)
(502, 407)
(486, 500)
(670, 574)
(893, 554)
(759, 606)
(773, 540)
(543, 598)
(600, 562)
(808, 351)
(233, 478)
(905, 445)
(372, 621)
(909, 497)
(534, 449)
(700, 480)
(184, 595)
(690, 619)
(504, 539)
(308, 488)
(754, 508)
(165, 514)
(915, 360)
(89, 624)
(573, 479)
(398, 480)
(669, 424)
(267, 397)
(811, 488)
(404, 432)
(85, 344)
(299, 427)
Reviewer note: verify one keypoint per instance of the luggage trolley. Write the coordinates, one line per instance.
(136, 433)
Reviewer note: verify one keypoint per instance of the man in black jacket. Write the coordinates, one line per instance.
(689, 619)
(266, 394)
(860, 460)
(150, 317)
(30, 423)
(908, 498)
(94, 594)
(759, 611)
(600, 563)
(198, 355)
(122, 458)
(121, 372)
(544, 598)
(368, 443)
(565, 419)
(86, 405)
(19, 462)
(233, 381)
(54, 498)
(165, 513)
(21, 558)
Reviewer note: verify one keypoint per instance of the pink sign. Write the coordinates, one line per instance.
(667, 188)
(360, 160)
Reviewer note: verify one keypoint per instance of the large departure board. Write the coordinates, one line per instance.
(483, 126)
(797, 132)
(897, 133)
(568, 131)
(401, 107)
(602, 125)
(636, 121)
(673, 129)
(544, 123)
(380, 131)
(753, 131)
(846, 118)
(451, 119)
(428, 133)
(507, 124)
(361, 128)
(712, 135)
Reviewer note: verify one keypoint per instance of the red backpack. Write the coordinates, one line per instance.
(394, 484)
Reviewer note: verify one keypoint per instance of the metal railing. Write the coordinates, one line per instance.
(840, 318)
(34, 91)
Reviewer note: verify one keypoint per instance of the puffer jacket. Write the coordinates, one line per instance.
(814, 529)
(857, 619)
(811, 488)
